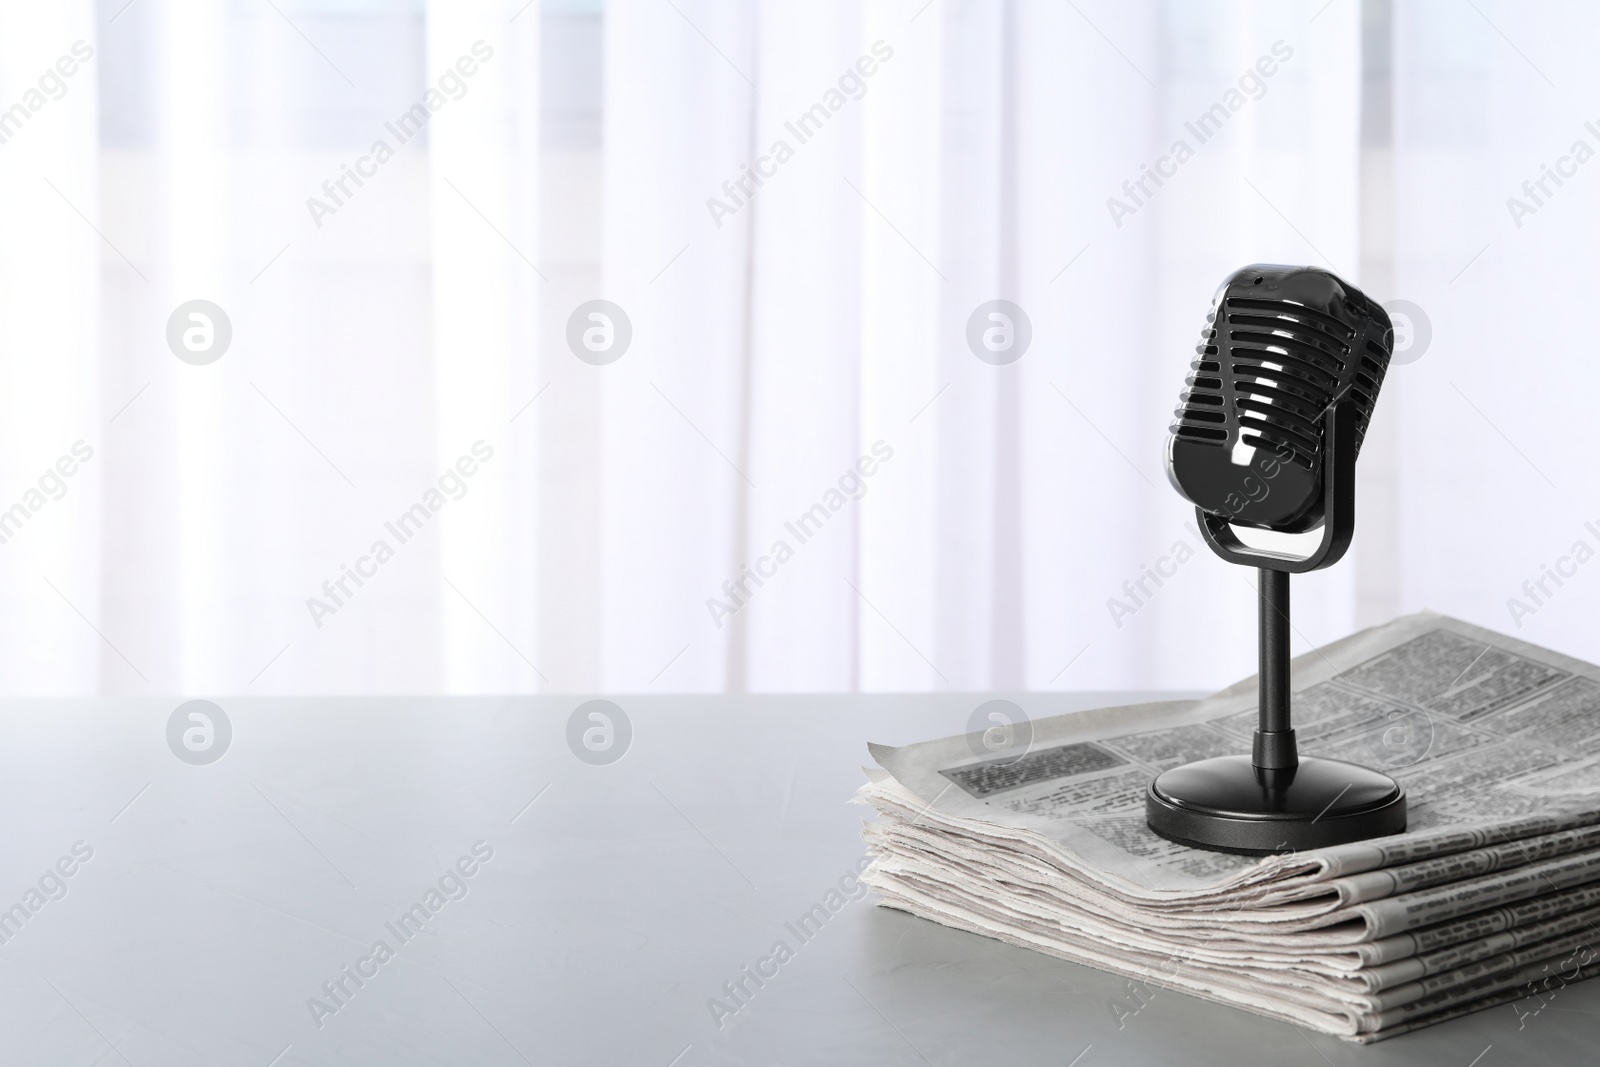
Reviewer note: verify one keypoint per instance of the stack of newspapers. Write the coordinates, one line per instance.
(1034, 833)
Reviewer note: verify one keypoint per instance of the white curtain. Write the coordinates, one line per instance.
(50, 568)
(1499, 485)
(828, 311)
(798, 476)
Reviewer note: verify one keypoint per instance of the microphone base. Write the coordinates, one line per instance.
(1227, 804)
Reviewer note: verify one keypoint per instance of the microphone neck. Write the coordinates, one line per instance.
(1274, 747)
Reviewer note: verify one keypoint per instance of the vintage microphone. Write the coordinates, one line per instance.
(1267, 432)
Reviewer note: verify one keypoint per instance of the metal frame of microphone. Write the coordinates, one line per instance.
(1275, 800)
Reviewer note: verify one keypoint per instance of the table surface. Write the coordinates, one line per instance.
(217, 899)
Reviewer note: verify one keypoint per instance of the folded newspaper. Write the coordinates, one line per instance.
(1034, 833)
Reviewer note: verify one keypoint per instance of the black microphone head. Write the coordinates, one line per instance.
(1280, 346)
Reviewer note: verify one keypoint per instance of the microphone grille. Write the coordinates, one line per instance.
(1280, 346)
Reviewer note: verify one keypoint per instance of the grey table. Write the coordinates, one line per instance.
(618, 900)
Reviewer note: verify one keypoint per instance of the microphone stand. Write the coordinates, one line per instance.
(1275, 800)
(1274, 747)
